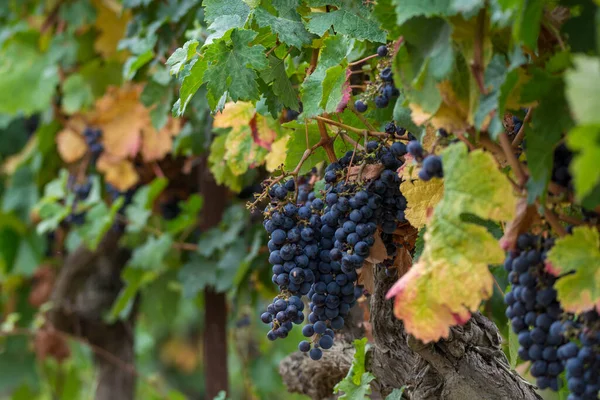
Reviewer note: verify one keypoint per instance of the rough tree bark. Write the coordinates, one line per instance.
(86, 287)
(469, 365)
(215, 305)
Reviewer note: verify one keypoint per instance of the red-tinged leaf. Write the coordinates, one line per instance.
(346, 93)
(266, 138)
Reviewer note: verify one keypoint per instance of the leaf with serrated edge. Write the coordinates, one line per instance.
(452, 277)
(578, 252)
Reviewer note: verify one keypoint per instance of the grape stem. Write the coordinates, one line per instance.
(361, 117)
(345, 136)
(553, 220)
(512, 159)
(477, 63)
(521, 134)
(357, 130)
(326, 141)
(362, 60)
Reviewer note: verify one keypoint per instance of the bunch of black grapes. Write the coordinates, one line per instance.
(581, 356)
(317, 244)
(385, 89)
(82, 190)
(560, 169)
(533, 309)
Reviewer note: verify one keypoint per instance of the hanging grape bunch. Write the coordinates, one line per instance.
(383, 90)
(318, 244)
(533, 309)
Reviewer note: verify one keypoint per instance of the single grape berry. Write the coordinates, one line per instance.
(381, 102)
(386, 75)
(360, 106)
(382, 51)
(316, 354)
(433, 165)
(304, 346)
(415, 149)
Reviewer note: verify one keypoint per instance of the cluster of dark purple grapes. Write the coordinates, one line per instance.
(432, 164)
(534, 310)
(386, 89)
(581, 356)
(317, 244)
(81, 191)
(560, 169)
(92, 137)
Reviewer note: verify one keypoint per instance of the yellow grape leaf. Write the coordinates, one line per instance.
(452, 115)
(111, 24)
(248, 129)
(156, 145)
(578, 252)
(452, 277)
(70, 143)
(119, 173)
(277, 155)
(122, 118)
(421, 197)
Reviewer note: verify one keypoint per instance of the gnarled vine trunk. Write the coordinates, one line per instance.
(469, 365)
(86, 287)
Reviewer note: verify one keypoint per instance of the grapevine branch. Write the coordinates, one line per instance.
(358, 130)
(362, 60)
(326, 141)
(477, 64)
(512, 159)
(521, 134)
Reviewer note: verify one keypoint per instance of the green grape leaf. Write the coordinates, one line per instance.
(357, 383)
(585, 141)
(231, 261)
(396, 394)
(297, 145)
(213, 9)
(526, 26)
(348, 23)
(77, 94)
(232, 66)
(98, 221)
(583, 89)
(195, 275)
(151, 255)
(134, 279)
(333, 52)
(135, 62)
(190, 84)
(291, 30)
(336, 91)
(140, 209)
(28, 79)
(550, 119)
(407, 9)
(188, 215)
(452, 277)
(578, 253)
(181, 56)
(282, 86)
